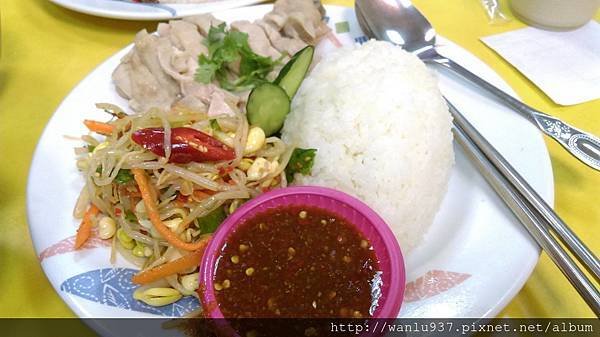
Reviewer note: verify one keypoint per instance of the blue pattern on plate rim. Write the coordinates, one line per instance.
(167, 8)
(113, 287)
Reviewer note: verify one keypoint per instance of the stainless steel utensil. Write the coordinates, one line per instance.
(529, 195)
(398, 21)
(493, 166)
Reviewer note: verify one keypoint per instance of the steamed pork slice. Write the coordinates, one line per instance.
(298, 19)
(156, 73)
(181, 44)
(210, 98)
(257, 39)
(203, 22)
(141, 78)
(150, 76)
(146, 46)
(185, 36)
(121, 77)
(283, 44)
(180, 65)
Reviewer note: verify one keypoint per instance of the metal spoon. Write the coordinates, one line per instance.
(399, 22)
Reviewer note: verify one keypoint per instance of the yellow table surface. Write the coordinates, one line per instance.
(47, 50)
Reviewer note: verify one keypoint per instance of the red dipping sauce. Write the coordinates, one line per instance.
(295, 261)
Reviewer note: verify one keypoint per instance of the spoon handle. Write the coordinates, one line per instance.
(579, 143)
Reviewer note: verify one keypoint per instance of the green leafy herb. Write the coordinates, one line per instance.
(90, 148)
(129, 216)
(124, 176)
(215, 125)
(225, 48)
(210, 222)
(302, 161)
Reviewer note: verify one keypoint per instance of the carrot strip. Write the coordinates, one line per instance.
(152, 209)
(99, 127)
(85, 228)
(170, 268)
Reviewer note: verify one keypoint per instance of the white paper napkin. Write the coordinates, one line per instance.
(565, 65)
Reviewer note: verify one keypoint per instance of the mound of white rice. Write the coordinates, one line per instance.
(382, 131)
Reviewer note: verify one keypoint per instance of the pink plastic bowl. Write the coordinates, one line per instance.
(351, 209)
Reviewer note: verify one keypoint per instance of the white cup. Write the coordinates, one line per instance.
(555, 14)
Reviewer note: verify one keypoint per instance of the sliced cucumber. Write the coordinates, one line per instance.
(292, 74)
(267, 107)
(269, 103)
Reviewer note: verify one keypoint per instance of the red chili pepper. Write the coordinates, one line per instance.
(181, 199)
(187, 145)
(225, 171)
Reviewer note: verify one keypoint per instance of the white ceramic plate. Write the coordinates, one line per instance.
(130, 10)
(474, 259)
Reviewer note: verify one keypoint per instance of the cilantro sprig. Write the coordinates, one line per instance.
(123, 176)
(226, 47)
